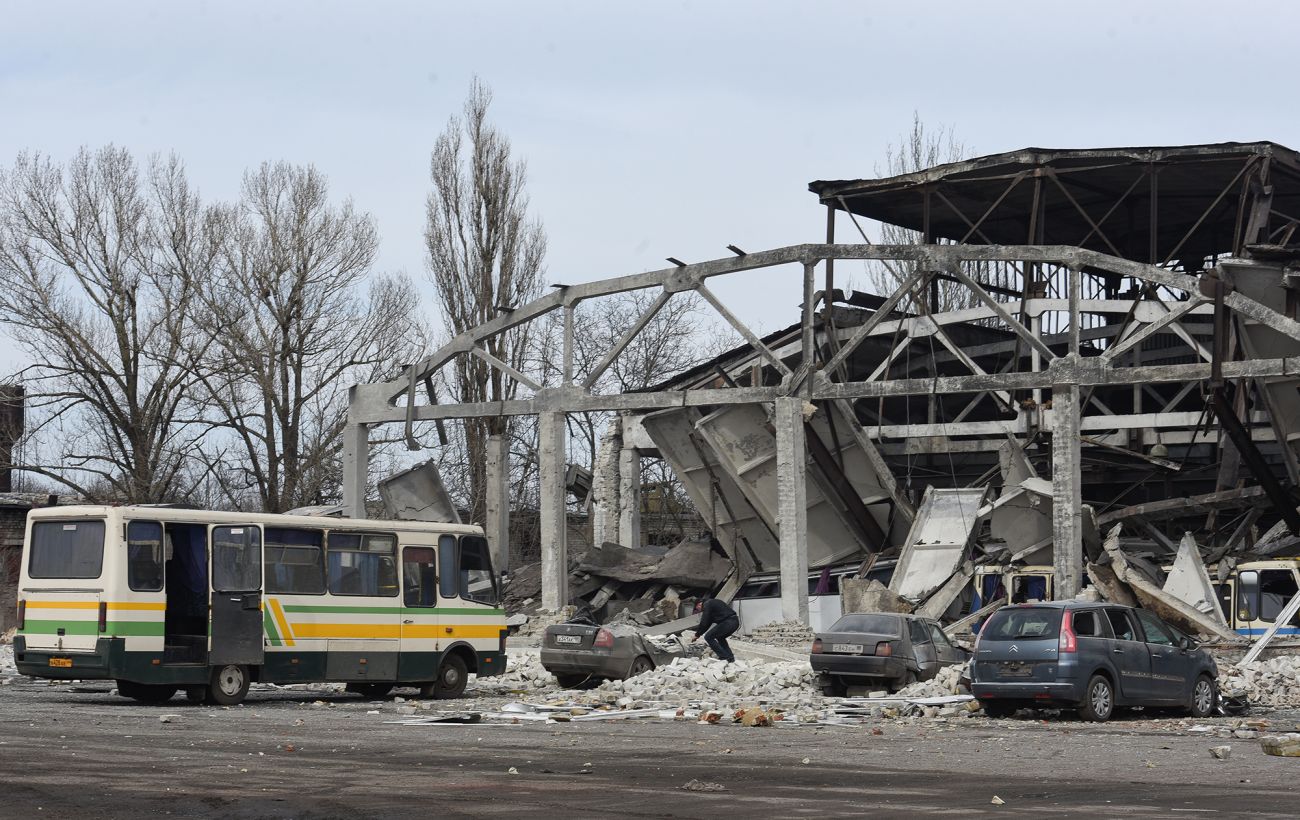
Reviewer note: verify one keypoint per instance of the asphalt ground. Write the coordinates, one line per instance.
(75, 751)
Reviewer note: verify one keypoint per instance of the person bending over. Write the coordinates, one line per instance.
(717, 622)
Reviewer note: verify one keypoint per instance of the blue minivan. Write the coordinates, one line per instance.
(1091, 657)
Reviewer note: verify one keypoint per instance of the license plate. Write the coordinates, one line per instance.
(1016, 670)
(847, 648)
(568, 639)
(63, 663)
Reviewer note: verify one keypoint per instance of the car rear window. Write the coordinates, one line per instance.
(1021, 624)
(871, 624)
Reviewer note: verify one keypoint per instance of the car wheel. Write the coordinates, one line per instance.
(1098, 700)
(452, 677)
(1204, 698)
(229, 685)
(640, 665)
(572, 680)
(833, 687)
(906, 679)
(998, 709)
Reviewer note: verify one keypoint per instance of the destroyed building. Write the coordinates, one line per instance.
(1082, 339)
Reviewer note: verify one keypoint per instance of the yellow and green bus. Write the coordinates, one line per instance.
(162, 599)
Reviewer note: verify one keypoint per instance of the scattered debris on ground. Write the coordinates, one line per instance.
(1287, 745)
(1271, 682)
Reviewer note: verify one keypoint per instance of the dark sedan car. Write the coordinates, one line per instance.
(881, 649)
(584, 653)
(1091, 657)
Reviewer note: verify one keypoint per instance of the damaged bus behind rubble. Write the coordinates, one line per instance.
(160, 599)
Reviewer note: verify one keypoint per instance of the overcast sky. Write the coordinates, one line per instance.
(660, 129)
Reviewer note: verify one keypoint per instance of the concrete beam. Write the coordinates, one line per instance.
(356, 464)
(554, 522)
(1067, 500)
(792, 506)
(497, 503)
(629, 497)
(604, 485)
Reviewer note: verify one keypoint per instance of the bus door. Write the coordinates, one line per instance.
(418, 656)
(236, 571)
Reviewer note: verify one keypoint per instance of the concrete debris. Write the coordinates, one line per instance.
(1273, 682)
(783, 633)
(869, 595)
(7, 666)
(1220, 752)
(694, 785)
(998, 801)
(1287, 745)
(708, 678)
(946, 682)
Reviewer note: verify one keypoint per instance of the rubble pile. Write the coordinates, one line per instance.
(7, 666)
(524, 671)
(688, 679)
(789, 634)
(1272, 682)
(946, 682)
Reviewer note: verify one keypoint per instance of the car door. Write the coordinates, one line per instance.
(1129, 656)
(947, 653)
(418, 652)
(1169, 665)
(923, 649)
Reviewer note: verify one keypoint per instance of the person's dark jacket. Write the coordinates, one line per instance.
(713, 612)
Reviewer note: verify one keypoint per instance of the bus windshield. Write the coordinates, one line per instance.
(66, 549)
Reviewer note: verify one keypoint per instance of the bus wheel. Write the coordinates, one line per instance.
(452, 677)
(229, 685)
(144, 692)
(372, 691)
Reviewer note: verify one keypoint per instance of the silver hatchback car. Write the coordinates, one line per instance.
(1091, 657)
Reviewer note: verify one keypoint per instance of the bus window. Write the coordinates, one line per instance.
(447, 574)
(144, 556)
(362, 564)
(66, 549)
(419, 576)
(236, 559)
(476, 578)
(1247, 595)
(1276, 588)
(295, 561)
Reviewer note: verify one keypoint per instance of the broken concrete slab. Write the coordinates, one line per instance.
(938, 540)
(869, 595)
(418, 494)
(1150, 596)
(1189, 582)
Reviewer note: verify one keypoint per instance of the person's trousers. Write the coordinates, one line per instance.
(716, 637)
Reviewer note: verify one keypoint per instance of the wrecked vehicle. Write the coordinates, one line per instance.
(1089, 657)
(881, 649)
(580, 653)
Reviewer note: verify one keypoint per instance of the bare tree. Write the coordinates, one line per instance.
(484, 252)
(917, 149)
(292, 318)
(99, 266)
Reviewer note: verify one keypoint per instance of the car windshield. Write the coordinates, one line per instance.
(870, 624)
(1019, 624)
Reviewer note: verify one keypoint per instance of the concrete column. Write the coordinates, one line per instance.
(792, 507)
(1067, 500)
(356, 462)
(629, 497)
(555, 552)
(497, 503)
(604, 485)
